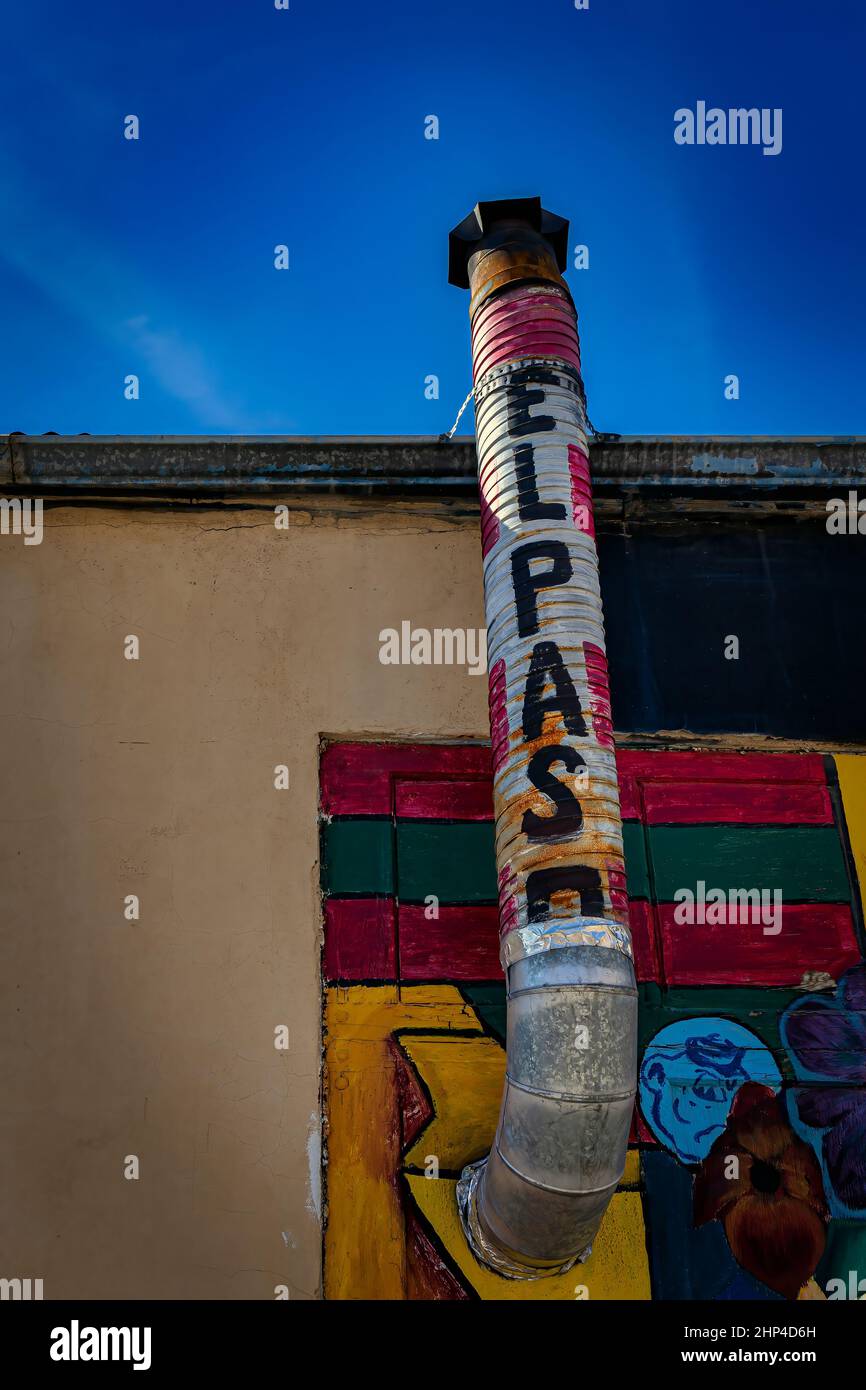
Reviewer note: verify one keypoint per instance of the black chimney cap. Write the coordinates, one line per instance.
(464, 239)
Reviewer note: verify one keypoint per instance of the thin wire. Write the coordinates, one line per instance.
(445, 438)
(596, 434)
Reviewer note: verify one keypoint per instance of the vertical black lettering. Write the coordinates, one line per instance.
(546, 667)
(529, 505)
(527, 584)
(543, 883)
(567, 818)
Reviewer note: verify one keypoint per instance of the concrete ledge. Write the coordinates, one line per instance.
(222, 466)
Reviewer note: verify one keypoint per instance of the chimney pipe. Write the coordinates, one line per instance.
(532, 1207)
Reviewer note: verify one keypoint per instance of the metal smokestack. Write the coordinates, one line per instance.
(533, 1206)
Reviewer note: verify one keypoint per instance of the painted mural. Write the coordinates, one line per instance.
(746, 1172)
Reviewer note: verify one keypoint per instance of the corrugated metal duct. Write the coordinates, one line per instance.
(533, 1206)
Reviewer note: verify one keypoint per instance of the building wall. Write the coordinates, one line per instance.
(155, 777)
(155, 1038)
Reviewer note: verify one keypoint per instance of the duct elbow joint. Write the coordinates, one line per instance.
(533, 1206)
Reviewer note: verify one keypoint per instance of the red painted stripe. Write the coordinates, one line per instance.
(463, 944)
(684, 788)
(640, 1132)
(746, 803)
(359, 939)
(643, 940)
(489, 525)
(723, 786)
(508, 327)
(629, 801)
(508, 915)
(666, 765)
(444, 800)
(814, 936)
(356, 777)
(596, 679)
(498, 714)
(581, 491)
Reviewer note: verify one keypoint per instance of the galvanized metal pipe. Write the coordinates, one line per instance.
(534, 1204)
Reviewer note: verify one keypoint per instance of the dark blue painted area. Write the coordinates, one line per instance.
(686, 1263)
(793, 595)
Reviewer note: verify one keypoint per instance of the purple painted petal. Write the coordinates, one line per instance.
(826, 1040)
(821, 1106)
(845, 1152)
(853, 985)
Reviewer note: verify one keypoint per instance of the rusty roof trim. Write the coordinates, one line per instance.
(226, 465)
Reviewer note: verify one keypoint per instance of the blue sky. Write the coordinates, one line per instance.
(305, 127)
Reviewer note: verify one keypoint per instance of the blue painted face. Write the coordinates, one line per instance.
(689, 1076)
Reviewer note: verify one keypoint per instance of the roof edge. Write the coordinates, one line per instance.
(185, 465)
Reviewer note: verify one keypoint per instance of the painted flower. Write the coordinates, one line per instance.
(826, 1037)
(764, 1184)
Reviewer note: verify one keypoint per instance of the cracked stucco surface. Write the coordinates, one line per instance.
(155, 777)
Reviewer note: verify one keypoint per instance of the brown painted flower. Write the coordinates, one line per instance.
(764, 1184)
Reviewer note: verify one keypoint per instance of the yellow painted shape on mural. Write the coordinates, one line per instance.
(852, 782)
(617, 1268)
(365, 1238)
(464, 1079)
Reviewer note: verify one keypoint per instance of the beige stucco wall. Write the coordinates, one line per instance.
(155, 777)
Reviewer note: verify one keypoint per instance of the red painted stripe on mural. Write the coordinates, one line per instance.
(643, 939)
(629, 799)
(667, 765)
(678, 787)
(814, 936)
(428, 800)
(640, 1132)
(359, 939)
(356, 777)
(462, 944)
(746, 803)
(735, 787)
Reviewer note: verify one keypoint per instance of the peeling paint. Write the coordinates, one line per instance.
(314, 1164)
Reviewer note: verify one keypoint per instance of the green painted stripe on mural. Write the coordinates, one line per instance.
(358, 856)
(634, 854)
(757, 1008)
(455, 860)
(805, 863)
(844, 1258)
(488, 1001)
